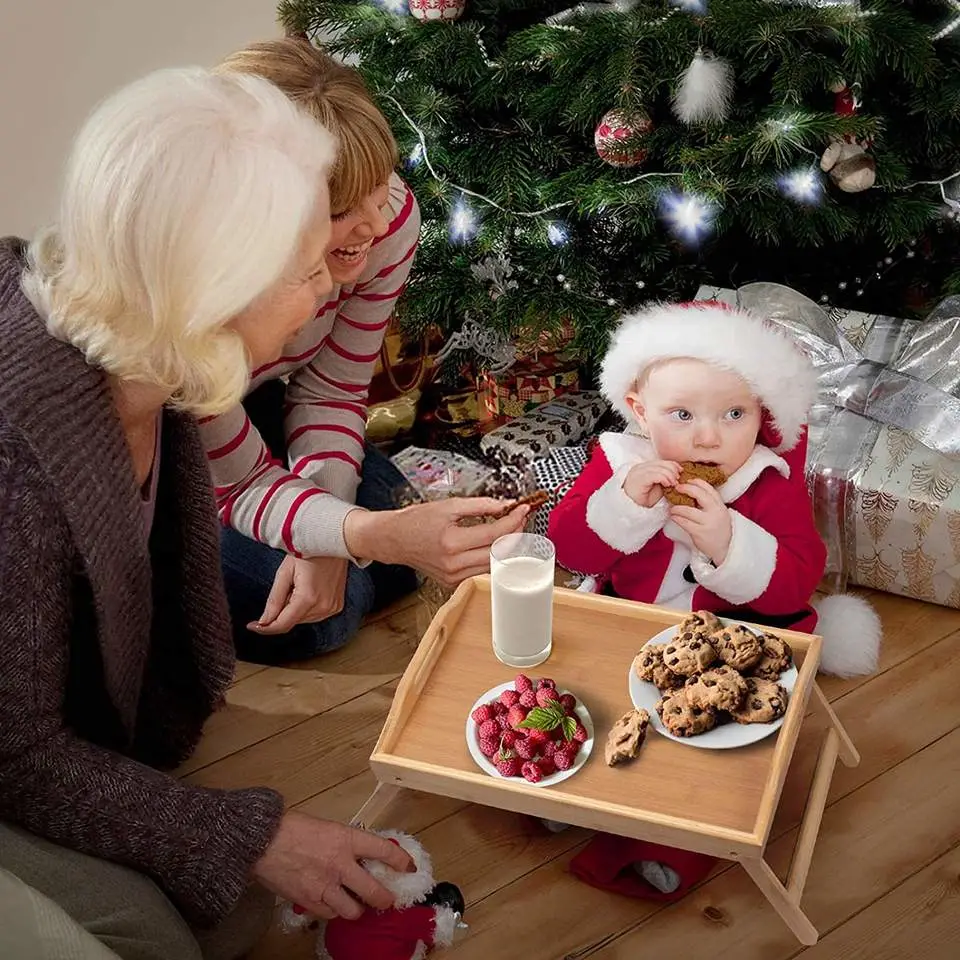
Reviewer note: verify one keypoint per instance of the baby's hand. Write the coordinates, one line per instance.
(645, 482)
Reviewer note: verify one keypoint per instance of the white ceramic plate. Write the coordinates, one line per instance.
(645, 695)
(473, 745)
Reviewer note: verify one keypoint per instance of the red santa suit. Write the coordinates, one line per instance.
(776, 557)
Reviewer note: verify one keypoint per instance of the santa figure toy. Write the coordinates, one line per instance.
(424, 916)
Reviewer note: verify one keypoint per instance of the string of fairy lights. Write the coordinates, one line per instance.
(689, 216)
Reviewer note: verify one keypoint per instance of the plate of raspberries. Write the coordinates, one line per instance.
(529, 730)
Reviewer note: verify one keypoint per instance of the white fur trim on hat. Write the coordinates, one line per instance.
(748, 567)
(851, 632)
(407, 888)
(781, 377)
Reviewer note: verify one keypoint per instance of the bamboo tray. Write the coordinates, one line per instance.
(719, 802)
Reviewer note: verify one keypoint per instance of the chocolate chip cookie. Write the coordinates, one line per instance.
(689, 653)
(764, 701)
(721, 688)
(649, 666)
(776, 656)
(701, 621)
(682, 719)
(737, 647)
(626, 737)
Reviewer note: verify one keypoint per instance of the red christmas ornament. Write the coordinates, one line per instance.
(425, 10)
(620, 137)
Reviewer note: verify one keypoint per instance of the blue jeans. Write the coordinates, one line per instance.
(249, 568)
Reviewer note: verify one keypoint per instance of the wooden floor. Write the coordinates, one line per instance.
(885, 880)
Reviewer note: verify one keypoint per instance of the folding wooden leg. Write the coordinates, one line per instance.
(378, 801)
(786, 905)
(848, 753)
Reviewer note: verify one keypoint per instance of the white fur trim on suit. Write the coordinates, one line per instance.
(444, 926)
(780, 375)
(851, 632)
(740, 482)
(618, 521)
(748, 567)
(407, 888)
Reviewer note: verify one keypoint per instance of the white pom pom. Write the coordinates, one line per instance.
(851, 633)
(705, 91)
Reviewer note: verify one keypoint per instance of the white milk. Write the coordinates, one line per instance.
(522, 604)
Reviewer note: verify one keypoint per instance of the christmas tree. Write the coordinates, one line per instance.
(571, 163)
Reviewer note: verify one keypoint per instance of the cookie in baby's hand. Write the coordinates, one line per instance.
(694, 471)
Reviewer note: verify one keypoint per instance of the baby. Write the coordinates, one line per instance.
(718, 392)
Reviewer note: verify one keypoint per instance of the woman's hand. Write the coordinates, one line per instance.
(430, 537)
(645, 482)
(708, 524)
(304, 591)
(313, 863)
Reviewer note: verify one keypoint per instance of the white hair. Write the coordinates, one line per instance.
(186, 197)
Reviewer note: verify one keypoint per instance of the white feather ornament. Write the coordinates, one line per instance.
(705, 91)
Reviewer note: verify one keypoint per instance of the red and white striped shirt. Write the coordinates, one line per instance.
(300, 507)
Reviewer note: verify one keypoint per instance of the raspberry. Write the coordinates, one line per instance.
(489, 747)
(571, 750)
(502, 722)
(516, 716)
(538, 738)
(546, 682)
(509, 768)
(509, 697)
(546, 696)
(580, 734)
(528, 699)
(482, 714)
(562, 760)
(523, 683)
(525, 749)
(531, 772)
(569, 702)
(548, 749)
(488, 730)
(509, 737)
(497, 707)
(547, 766)
(557, 734)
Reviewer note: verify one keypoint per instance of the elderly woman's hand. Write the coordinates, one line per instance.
(430, 536)
(315, 863)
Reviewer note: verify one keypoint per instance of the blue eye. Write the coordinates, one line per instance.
(736, 413)
(682, 415)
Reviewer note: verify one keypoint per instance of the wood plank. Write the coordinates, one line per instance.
(872, 840)
(919, 918)
(278, 698)
(314, 755)
(244, 670)
(412, 811)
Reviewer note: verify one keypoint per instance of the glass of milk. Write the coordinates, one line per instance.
(521, 595)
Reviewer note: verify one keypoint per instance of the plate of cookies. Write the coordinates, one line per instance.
(713, 683)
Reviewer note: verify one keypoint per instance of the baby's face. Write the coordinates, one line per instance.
(695, 411)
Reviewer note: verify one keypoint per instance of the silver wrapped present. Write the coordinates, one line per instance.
(883, 462)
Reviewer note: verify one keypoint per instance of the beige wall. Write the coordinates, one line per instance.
(59, 57)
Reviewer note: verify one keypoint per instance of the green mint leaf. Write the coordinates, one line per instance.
(569, 727)
(543, 718)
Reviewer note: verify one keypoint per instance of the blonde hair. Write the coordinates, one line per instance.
(185, 199)
(335, 96)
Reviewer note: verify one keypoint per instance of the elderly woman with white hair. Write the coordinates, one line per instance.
(189, 247)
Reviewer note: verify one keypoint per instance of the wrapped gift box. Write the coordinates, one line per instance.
(530, 382)
(883, 462)
(561, 422)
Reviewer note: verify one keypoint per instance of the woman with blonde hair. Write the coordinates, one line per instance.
(291, 465)
(190, 245)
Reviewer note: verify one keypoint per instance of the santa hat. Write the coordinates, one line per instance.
(780, 376)
(407, 888)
